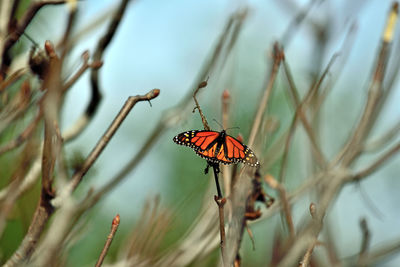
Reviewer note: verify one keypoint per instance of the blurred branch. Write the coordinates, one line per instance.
(20, 27)
(297, 20)
(98, 54)
(278, 57)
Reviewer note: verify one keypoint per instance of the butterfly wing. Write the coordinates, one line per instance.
(235, 151)
(198, 140)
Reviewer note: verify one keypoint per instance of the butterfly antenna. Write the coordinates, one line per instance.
(236, 127)
(222, 127)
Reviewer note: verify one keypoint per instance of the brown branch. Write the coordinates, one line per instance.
(110, 237)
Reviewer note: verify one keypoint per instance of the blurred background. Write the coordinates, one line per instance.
(163, 44)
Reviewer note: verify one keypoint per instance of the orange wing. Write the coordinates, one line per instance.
(238, 152)
(198, 140)
(215, 155)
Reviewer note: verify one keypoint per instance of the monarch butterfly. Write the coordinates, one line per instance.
(217, 147)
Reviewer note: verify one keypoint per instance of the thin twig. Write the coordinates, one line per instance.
(114, 228)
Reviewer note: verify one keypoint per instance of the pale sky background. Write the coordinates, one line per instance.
(162, 44)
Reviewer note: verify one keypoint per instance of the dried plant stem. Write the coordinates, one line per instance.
(110, 237)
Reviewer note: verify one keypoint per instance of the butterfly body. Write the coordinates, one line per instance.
(217, 147)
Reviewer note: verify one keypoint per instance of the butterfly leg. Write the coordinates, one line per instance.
(209, 164)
